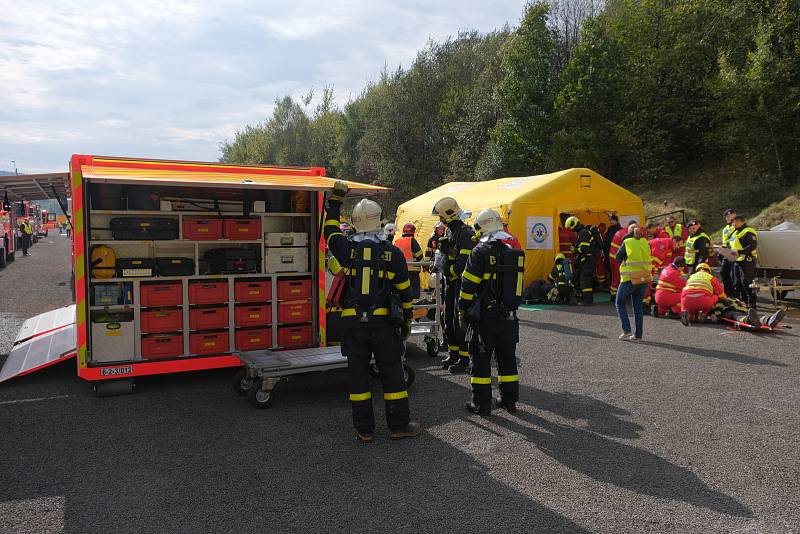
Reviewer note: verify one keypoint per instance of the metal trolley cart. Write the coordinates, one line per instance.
(430, 329)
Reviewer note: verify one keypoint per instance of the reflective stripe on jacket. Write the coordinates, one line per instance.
(700, 281)
(638, 258)
(737, 244)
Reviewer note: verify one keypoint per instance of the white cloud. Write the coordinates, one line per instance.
(174, 78)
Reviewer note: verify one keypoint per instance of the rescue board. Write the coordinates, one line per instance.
(739, 325)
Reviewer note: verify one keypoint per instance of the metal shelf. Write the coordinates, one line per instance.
(112, 307)
(206, 213)
(195, 277)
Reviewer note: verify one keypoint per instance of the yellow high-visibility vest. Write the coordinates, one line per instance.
(737, 245)
(701, 280)
(691, 254)
(638, 258)
(678, 231)
(728, 235)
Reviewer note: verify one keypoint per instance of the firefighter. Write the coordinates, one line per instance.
(512, 240)
(698, 246)
(566, 237)
(613, 248)
(373, 321)
(456, 249)
(491, 291)
(433, 241)
(586, 249)
(745, 245)
(726, 265)
(700, 295)
(389, 229)
(671, 282)
(412, 252)
(561, 279)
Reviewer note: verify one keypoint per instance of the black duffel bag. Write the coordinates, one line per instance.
(144, 228)
(232, 260)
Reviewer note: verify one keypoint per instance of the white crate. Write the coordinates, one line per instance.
(286, 239)
(113, 342)
(287, 260)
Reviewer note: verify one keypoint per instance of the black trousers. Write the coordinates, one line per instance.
(726, 273)
(359, 344)
(587, 269)
(499, 337)
(26, 242)
(455, 338)
(413, 277)
(743, 274)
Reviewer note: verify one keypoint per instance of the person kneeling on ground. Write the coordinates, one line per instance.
(560, 278)
(671, 282)
(700, 295)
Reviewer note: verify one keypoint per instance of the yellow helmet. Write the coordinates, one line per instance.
(560, 256)
(704, 266)
(572, 223)
(366, 216)
(447, 208)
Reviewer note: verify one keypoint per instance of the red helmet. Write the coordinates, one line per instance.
(409, 228)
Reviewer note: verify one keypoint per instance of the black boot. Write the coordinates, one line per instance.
(479, 409)
(461, 367)
(411, 430)
(509, 406)
(685, 319)
(449, 362)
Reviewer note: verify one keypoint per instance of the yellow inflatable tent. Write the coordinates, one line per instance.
(535, 203)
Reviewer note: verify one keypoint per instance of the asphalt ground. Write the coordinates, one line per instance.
(694, 430)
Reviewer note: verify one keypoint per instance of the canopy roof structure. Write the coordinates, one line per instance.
(35, 186)
(198, 174)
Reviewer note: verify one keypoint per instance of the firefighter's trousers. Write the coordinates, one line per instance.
(455, 336)
(359, 344)
(496, 336)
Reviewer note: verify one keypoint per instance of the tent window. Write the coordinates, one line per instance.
(586, 180)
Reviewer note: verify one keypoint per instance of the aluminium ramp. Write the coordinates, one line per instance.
(46, 322)
(39, 352)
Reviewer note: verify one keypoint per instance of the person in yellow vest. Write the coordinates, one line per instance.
(411, 250)
(726, 266)
(27, 235)
(698, 246)
(745, 245)
(634, 262)
(700, 295)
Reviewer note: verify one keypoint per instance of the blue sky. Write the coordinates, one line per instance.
(173, 79)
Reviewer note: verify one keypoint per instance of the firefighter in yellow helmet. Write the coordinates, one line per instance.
(374, 323)
(456, 250)
(586, 248)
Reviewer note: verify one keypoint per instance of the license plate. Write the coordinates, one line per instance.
(113, 371)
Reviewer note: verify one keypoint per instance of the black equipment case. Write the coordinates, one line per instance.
(175, 266)
(135, 267)
(232, 260)
(143, 228)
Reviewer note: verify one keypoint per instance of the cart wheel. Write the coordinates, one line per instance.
(111, 388)
(373, 370)
(432, 347)
(242, 383)
(409, 375)
(260, 398)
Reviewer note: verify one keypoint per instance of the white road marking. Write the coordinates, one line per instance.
(38, 399)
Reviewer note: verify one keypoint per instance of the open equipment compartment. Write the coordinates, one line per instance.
(202, 252)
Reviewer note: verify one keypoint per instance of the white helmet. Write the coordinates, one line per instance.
(366, 216)
(447, 208)
(488, 221)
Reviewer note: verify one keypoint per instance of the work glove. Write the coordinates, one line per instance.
(405, 330)
(340, 190)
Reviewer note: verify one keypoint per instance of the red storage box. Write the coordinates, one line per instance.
(294, 336)
(210, 292)
(209, 343)
(208, 318)
(200, 229)
(162, 294)
(160, 321)
(242, 228)
(253, 315)
(294, 289)
(252, 291)
(294, 312)
(253, 339)
(162, 346)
